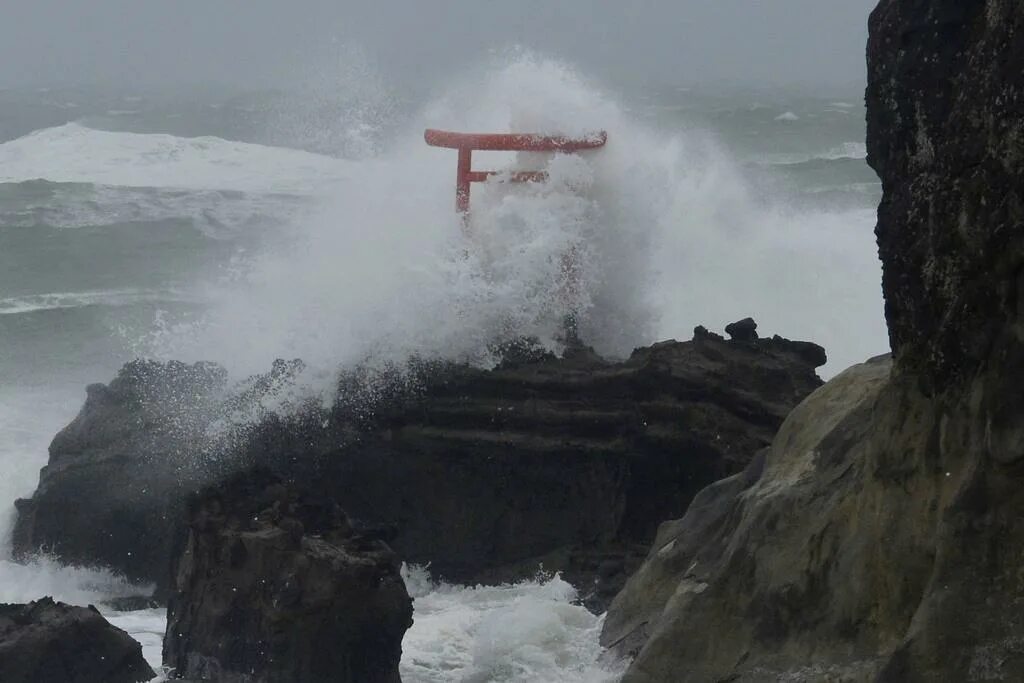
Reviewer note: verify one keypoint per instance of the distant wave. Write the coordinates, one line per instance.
(75, 205)
(847, 150)
(33, 303)
(76, 154)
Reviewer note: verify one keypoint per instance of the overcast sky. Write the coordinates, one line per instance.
(260, 42)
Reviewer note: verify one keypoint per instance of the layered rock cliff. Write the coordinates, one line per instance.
(569, 461)
(880, 536)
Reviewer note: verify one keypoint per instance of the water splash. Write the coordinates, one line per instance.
(665, 229)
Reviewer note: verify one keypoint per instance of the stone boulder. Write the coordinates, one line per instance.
(880, 536)
(50, 642)
(273, 586)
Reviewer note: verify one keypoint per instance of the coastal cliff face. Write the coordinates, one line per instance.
(946, 136)
(571, 462)
(880, 537)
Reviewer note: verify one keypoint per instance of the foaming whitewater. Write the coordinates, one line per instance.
(530, 632)
(665, 233)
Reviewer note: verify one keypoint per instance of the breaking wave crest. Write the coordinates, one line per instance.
(73, 153)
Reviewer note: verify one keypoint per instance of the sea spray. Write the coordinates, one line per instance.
(666, 230)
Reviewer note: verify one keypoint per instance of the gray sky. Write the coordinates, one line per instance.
(258, 42)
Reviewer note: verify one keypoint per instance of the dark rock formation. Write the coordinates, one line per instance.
(880, 537)
(946, 136)
(742, 330)
(273, 586)
(570, 461)
(50, 642)
(118, 473)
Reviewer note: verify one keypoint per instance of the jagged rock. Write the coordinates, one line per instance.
(50, 642)
(742, 330)
(273, 586)
(481, 473)
(879, 538)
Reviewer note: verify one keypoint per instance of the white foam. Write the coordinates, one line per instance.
(788, 116)
(73, 585)
(75, 154)
(525, 632)
(147, 627)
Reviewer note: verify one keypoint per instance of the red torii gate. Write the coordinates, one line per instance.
(466, 143)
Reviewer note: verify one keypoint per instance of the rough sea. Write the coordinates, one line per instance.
(240, 227)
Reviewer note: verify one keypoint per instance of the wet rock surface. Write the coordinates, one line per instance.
(571, 462)
(879, 537)
(50, 642)
(275, 586)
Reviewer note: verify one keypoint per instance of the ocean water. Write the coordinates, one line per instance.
(242, 227)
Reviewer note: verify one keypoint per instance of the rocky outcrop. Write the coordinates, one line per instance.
(570, 461)
(879, 537)
(119, 472)
(50, 642)
(273, 586)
